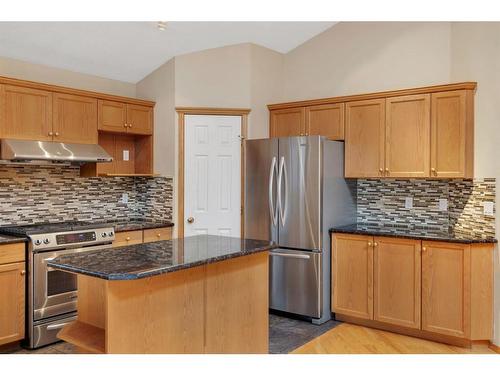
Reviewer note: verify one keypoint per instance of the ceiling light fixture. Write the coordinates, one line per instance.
(162, 25)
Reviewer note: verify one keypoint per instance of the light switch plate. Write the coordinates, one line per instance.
(124, 197)
(443, 205)
(488, 208)
(126, 155)
(409, 202)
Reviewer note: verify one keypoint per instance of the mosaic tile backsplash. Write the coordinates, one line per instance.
(382, 202)
(42, 193)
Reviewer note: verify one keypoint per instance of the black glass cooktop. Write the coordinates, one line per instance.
(66, 226)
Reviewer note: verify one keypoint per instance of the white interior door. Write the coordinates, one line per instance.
(212, 175)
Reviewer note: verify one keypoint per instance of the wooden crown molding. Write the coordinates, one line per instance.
(212, 111)
(376, 95)
(68, 90)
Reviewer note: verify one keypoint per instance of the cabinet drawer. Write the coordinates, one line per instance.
(128, 238)
(157, 234)
(11, 253)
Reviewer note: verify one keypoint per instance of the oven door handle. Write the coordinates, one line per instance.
(53, 327)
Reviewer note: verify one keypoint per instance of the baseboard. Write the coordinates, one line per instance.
(494, 347)
(450, 340)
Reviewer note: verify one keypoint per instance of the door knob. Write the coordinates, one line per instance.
(190, 220)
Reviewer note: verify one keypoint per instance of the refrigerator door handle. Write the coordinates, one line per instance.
(273, 211)
(282, 208)
(297, 256)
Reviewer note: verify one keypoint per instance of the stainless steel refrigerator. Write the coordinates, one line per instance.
(295, 192)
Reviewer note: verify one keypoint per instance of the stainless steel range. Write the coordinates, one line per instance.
(52, 294)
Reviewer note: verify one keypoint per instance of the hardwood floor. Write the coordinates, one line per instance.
(352, 339)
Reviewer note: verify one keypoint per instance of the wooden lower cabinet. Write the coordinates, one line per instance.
(446, 282)
(157, 234)
(397, 281)
(352, 275)
(133, 237)
(440, 291)
(12, 294)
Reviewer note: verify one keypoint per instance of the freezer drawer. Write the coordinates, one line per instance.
(295, 278)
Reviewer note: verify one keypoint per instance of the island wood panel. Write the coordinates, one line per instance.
(326, 120)
(92, 289)
(157, 234)
(352, 275)
(288, 122)
(481, 291)
(112, 116)
(87, 338)
(452, 134)
(11, 253)
(446, 284)
(74, 119)
(25, 113)
(365, 138)
(130, 237)
(12, 297)
(139, 119)
(237, 307)
(397, 281)
(407, 134)
(160, 314)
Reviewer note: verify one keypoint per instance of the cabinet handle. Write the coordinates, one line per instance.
(433, 170)
(57, 134)
(125, 125)
(128, 238)
(23, 272)
(369, 244)
(424, 249)
(158, 235)
(381, 170)
(51, 134)
(375, 244)
(129, 125)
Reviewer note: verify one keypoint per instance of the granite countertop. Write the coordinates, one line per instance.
(136, 224)
(155, 258)
(411, 231)
(11, 239)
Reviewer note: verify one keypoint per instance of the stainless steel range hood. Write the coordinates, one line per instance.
(21, 150)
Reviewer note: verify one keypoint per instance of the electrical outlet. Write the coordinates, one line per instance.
(488, 208)
(126, 155)
(443, 205)
(409, 202)
(124, 198)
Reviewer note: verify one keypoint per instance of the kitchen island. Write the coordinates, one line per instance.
(200, 294)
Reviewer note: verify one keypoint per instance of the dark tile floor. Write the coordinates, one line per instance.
(285, 335)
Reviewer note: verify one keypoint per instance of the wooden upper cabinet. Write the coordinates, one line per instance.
(397, 281)
(139, 119)
(452, 134)
(326, 120)
(12, 297)
(25, 113)
(407, 132)
(446, 287)
(352, 275)
(288, 122)
(365, 138)
(112, 116)
(75, 119)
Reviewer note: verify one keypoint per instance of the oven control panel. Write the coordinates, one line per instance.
(61, 240)
(69, 238)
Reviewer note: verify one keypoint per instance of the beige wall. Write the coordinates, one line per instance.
(476, 57)
(40, 73)
(159, 86)
(360, 57)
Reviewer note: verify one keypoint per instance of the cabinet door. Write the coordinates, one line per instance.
(139, 119)
(75, 119)
(352, 275)
(25, 113)
(112, 116)
(157, 234)
(365, 138)
(288, 122)
(12, 281)
(452, 134)
(446, 288)
(327, 120)
(407, 134)
(131, 237)
(397, 281)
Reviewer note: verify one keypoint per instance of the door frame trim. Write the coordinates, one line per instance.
(182, 112)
